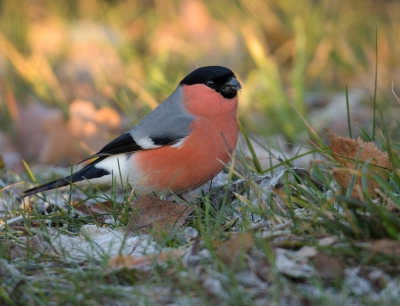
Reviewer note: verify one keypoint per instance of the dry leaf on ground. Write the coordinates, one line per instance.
(28, 246)
(134, 262)
(327, 267)
(345, 150)
(99, 210)
(386, 246)
(152, 213)
(231, 251)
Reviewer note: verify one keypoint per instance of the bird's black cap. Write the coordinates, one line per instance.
(222, 79)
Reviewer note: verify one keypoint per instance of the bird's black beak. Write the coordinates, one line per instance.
(230, 88)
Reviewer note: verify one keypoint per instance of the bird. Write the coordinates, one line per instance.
(179, 146)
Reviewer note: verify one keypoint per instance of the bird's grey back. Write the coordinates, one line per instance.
(167, 120)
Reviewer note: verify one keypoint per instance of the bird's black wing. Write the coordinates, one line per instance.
(126, 144)
(167, 124)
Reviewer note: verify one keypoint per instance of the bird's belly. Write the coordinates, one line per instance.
(200, 157)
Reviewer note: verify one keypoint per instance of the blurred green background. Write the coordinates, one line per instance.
(115, 60)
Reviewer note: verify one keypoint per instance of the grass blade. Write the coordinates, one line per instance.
(353, 177)
(364, 132)
(376, 82)
(30, 173)
(348, 112)
(256, 162)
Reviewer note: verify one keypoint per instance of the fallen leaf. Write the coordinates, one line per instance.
(327, 267)
(28, 246)
(101, 211)
(135, 262)
(231, 251)
(346, 150)
(152, 213)
(386, 246)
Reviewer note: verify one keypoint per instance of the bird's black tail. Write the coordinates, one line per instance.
(86, 173)
(50, 185)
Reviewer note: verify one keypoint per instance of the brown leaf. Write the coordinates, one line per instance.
(231, 251)
(346, 150)
(386, 246)
(158, 215)
(133, 262)
(28, 246)
(328, 267)
(99, 210)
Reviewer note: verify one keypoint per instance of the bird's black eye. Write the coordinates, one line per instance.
(210, 83)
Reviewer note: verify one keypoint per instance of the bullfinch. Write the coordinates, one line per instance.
(183, 143)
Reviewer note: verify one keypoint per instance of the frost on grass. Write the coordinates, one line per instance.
(272, 246)
(91, 242)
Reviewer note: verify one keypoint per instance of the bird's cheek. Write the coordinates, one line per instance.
(200, 100)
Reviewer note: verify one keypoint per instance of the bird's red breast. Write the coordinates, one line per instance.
(214, 133)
